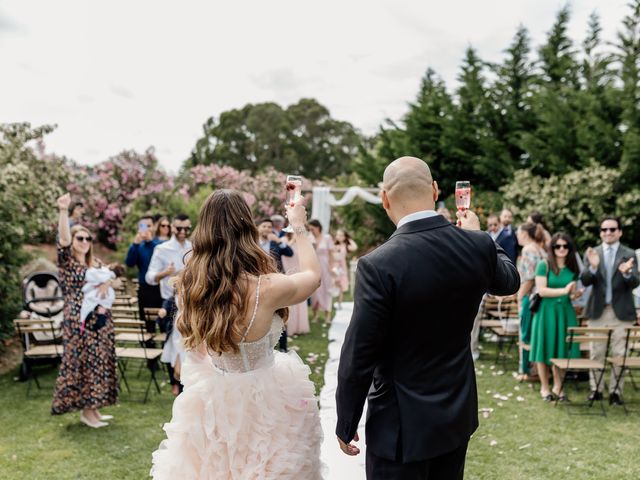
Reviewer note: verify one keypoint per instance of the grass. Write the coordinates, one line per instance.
(527, 439)
(35, 445)
(531, 439)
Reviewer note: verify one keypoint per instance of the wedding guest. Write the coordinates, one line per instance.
(94, 298)
(611, 269)
(321, 300)
(167, 261)
(139, 255)
(531, 238)
(538, 219)
(76, 213)
(298, 322)
(444, 211)
(163, 229)
(87, 380)
(277, 247)
(555, 281)
(344, 245)
(493, 226)
(506, 237)
(278, 222)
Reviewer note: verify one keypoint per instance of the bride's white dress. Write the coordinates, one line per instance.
(245, 415)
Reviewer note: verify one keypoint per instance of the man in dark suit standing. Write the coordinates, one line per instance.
(506, 236)
(407, 345)
(611, 269)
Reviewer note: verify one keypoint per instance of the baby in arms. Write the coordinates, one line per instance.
(97, 300)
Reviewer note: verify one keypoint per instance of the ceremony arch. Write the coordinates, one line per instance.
(323, 200)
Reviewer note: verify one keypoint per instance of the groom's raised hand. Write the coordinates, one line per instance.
(468, 220)
(349, 448)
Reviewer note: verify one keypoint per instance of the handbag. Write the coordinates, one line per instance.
(535, 299)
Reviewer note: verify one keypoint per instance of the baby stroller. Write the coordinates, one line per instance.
(43, 299)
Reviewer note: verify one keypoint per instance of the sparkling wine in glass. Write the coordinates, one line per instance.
(293, 188)
(463, 195)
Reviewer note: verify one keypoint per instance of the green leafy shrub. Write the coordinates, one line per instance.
(576, 201)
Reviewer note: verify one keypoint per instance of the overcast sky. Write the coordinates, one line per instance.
(131, 74)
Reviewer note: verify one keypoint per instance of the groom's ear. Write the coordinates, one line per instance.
(385, 199)
(436, 191)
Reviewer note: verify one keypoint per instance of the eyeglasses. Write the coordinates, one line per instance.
(165, 225)
(612, 229)
(560, 246)
(83, 239)
(186, 229)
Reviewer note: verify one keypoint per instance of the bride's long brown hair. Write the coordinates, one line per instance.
(212, 290)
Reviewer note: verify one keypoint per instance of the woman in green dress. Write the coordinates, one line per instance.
(556, 283)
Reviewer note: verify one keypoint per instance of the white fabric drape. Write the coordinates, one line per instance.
(323, 200)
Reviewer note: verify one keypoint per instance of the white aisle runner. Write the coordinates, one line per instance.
(339, 466)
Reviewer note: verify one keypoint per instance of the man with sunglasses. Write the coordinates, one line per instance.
(139, 255)
(611, 269)
(167, 260)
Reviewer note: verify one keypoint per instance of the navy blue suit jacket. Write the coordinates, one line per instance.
(277, 253)
(509, 243)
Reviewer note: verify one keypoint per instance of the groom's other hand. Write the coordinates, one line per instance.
(468, 220)
(349, 448)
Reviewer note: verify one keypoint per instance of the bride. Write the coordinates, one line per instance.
(247, 411)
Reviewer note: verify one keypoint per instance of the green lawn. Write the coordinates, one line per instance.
(35, 445)
(531, 439)
(526, 439)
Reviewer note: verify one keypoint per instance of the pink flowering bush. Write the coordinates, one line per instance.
(109, 189)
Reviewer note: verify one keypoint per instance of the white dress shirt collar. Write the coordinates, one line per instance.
(615, 247)
(412, 217)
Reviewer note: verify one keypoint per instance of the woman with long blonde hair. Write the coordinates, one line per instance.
(247, 411)
(87, 380)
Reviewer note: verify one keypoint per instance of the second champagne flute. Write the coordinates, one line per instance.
(293, 188)
(463, 195)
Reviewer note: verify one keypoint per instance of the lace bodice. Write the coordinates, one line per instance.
(252, 355)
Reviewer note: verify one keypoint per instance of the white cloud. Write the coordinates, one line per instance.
(124, 74)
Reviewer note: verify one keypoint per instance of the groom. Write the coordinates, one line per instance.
(407, 346)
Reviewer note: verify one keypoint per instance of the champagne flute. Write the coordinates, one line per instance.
(463, 195)
(293, 188)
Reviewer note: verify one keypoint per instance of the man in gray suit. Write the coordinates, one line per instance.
(612, 271)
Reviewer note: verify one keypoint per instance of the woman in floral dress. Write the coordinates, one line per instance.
(532, 240)
(87, 379)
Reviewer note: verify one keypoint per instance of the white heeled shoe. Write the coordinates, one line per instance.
(91, 424)
(104, 418)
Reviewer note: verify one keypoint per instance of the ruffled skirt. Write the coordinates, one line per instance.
(262, 424)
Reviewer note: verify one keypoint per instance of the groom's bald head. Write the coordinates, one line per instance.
(407, 187)
(407, 177)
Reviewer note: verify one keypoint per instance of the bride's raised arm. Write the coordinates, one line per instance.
(292, 289)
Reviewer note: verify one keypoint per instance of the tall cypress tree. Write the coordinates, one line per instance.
(512, 91)
(628, 57)
(598, 104)
(552, 146)
(427, 124)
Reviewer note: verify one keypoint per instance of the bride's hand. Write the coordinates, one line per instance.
(349, 448)
(297, 215)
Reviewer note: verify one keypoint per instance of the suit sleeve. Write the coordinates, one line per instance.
(362, 348)
(506, 279)
(132, 255)
(587, 277)
(285, 251)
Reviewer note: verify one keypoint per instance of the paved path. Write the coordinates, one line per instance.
(338, 465)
